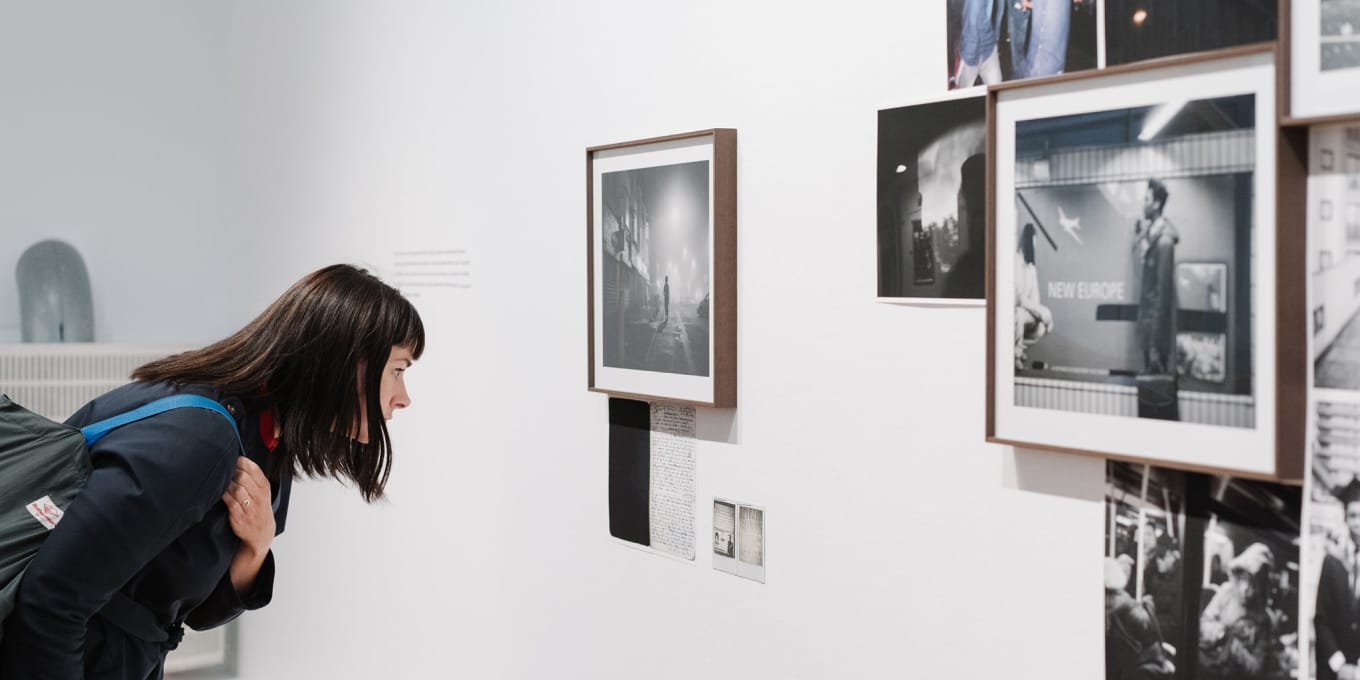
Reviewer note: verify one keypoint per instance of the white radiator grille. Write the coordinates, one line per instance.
(54, 380)
(1203, 408)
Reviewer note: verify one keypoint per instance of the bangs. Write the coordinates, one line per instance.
(405, 328)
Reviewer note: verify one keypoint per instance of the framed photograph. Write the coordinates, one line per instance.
(661, 226)
(1322, 46)
(1136, 30)
(992, 41)
(1334, 254)
(1143, 305)
(932, 201)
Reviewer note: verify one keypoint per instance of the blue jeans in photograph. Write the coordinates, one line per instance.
(1039, 37)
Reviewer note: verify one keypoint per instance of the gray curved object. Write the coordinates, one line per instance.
(54, 294)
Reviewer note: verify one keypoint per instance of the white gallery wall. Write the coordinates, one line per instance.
(899, 545)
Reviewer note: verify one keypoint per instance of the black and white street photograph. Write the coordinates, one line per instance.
(1133, 262)
(932, 188)
(992, 41)
(1146, 29)
(1331, 587)
(739, 539)
(1334, 254)
(1339, 34)
(656, 270)
(1201, 576)
(724, 529)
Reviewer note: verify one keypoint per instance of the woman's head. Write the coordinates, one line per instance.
(328, 356)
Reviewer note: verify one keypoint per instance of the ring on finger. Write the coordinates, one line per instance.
(246, 503)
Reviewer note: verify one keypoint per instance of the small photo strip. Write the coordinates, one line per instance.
(739, 539)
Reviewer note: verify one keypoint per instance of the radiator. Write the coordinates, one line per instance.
(1203, 408)
(54, 380)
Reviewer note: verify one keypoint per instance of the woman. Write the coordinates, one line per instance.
(1032, 319)
(175, 525)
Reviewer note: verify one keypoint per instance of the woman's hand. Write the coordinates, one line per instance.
(251, 513)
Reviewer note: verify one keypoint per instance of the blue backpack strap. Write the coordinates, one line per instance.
(96, 431)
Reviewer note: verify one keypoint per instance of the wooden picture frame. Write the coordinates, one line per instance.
(1312, 92)
(1226, 156)
(661, 249)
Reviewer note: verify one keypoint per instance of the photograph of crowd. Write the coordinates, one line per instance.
(1201, 576)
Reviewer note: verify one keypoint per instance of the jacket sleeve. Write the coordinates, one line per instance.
(1326, 617)
(226, 604)
(151, 481)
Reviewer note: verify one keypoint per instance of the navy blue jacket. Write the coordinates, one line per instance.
(151, 524)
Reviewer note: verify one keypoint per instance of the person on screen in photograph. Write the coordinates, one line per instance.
(1133, 644)
(978, 40)
(1236, 631)
(666, 297)
(1038, 36)
(1336, 620)
(1156, 238)
(1032, 319)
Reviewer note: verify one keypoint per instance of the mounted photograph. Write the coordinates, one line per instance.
(1334, 254)
(662, 276)
(993, 41)
(1202, 575)
(932, 201)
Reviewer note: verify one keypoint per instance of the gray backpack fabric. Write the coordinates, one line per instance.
(44, 465)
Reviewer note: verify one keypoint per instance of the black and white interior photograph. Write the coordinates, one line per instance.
(1133, 265)
(1334, 254)
(1201, 576)
(932, 210)
(656, 271)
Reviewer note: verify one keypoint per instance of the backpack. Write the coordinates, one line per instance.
(44, 465)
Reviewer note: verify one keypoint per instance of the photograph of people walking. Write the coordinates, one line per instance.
(656, 268)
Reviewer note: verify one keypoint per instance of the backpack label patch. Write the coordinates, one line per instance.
(46, 512)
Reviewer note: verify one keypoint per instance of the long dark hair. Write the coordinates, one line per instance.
(302, 357)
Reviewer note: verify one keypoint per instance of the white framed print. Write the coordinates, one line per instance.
(1133, 310)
